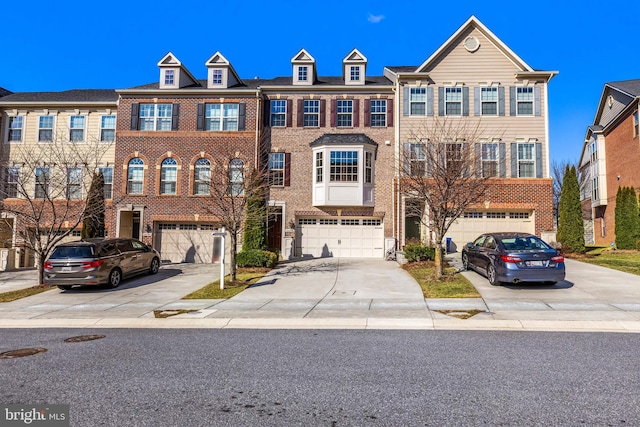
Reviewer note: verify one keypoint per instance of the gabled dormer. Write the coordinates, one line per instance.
(221, 74)
(173, 74)
(304, 69)
(354, 68)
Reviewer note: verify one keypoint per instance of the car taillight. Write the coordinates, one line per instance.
(92, 264)
(511, 259)
(48, 265)
(558, 258)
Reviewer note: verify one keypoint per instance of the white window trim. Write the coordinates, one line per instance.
(447, 90)
(84, 128)
(24, 122)
(103, 128)
(411, 101)
(155, 117)
(53, 126)
(316, 114)
(283, 102)
(222, 118)
(496, 101)
(383, 104)
(303, 73)
(349, 113)
(532, 160)
(532, 101)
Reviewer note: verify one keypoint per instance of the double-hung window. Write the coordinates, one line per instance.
(319, 166)
(418, 101)
(276, 169)
(303, 73)
(135, 176)
(368, 167)
(378, 110)
(76, 128)
(155, 116)
(355, 73)
(74, 183)
(453, 101)
(524, 101)
(108, 128)
(526, 160)
(107, 174)
(168, 176)
(202, 176)
(311, 113)
(15, 128)
(343, 166)
(454, 157)
(236, 177)
(489, 100)
(636, 125)
(169, 77)
(42, 183)
(489, 160)
(222, 117)
(417, 159)
(45, 129)
(11, 184)
(279, 113)
(345, 112)
(216, 78)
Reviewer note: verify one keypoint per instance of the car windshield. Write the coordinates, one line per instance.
(72, 252)
(526, 243)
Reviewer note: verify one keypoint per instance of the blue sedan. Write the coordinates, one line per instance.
(514, 258)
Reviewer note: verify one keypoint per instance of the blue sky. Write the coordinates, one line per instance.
(57, 44)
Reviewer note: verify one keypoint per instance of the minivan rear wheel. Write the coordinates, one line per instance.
(114, 278)
(64, 287)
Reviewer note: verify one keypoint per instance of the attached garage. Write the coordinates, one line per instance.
(185, 242)
(340, 237)
(474, 223)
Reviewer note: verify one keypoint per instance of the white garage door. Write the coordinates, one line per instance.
(472, 224)
(346, 238)
(185, 242)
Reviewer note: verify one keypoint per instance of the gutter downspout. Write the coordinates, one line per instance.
(397, 212)
(258, 116)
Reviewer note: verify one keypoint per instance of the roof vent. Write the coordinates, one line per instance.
(471, 43)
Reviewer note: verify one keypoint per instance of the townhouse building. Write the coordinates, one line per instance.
(174, 136)
(484, 94)
(51, 144)
(330, 153)
(610, 158)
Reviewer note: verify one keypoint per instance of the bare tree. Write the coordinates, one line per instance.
(231, 186)
(45, 190)
(444, 172)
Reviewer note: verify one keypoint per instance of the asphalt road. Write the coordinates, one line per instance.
(327, 377)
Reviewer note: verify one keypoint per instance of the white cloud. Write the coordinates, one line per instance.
(374, 19)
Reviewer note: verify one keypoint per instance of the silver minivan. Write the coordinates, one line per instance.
(103, 262)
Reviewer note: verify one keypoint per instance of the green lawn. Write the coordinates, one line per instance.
(245, 277)
(453, 285)
(23, 293)
(623, 260)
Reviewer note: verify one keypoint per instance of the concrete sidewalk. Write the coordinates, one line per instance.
(338, 293)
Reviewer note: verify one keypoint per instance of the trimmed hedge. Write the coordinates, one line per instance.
(256, 258)
(414, 253)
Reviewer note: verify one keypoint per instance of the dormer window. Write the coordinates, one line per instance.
(303, 73)
(169, 77)
(216, 77)
(355, 74)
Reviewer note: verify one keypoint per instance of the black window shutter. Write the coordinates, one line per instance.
(333, 113)
(287, 169)
(367, 112)
(356, 113)
(266, 116)
(200, 121)
(389, 112)
(135, 111)
(289, 113)
(242, 116)
(300, 122)
(323, 113)
(175, 115)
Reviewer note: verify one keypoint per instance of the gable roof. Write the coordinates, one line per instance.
(4, 92)
(630, 87)
(474, 22)
(170, 60)
(218, 59)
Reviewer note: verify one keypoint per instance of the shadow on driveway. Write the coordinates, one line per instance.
(133, 282)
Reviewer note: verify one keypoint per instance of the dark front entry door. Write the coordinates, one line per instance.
(274, 232)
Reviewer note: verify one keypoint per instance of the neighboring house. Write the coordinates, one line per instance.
(173, 136)
(475, 81)
(610, 157)
(38, 129)
(329, 145)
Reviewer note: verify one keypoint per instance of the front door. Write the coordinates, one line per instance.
(274, 231)
(129, 224)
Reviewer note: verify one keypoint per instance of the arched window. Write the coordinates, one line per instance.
(236, 177)
(202, 176)
(135, 176)
(168, 176)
